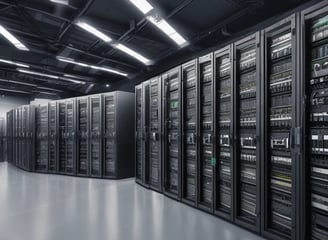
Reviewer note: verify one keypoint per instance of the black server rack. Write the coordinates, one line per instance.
(70, 136)
(20, 137)
(42, 150)
(2, 139)
(95, 135)
(61, 136)
(279, 121)
(139, 152)
(28, 137)
(189, 126)
(10, 132)
(155, 135)
(118, 145)
(314, 174)
(142, 133)
(172, 132)
(223, 132)
(53, 137)
(205, 132)
(15, 138)
(82, 125)
(247, 132)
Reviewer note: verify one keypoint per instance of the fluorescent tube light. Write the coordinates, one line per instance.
(50, 76)
(87, 27)
(133, 53)
(38, 74)
(20, 83)
(63, 2)
(11, 38)
(16, 91)
(14, 63)
(144, 6)
(106, 38)
(48, 93)
(166, 28)
(106, 69)
(50, 89)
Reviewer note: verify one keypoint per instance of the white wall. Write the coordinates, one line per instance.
(9, 102)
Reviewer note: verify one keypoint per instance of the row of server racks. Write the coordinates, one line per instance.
(242, 133)
(88, 136)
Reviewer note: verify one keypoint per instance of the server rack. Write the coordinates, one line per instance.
(205, 133)
(172, 133)
(139, 152)
(143, 134)
(20, 138)
(155, 135)
(279, 163)
(70, 136)
(82, 125)
(28, 137)
(10, 132)
(223, 132)
(61, 136)
(15, 138)
(42, 150)
(118, 145)
(2, 139)
(24, 133)
(95, 144)
(247, 132)
(189, 126)
(314, 168)
(53, 137)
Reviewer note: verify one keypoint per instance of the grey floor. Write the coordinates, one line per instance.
(50, 207)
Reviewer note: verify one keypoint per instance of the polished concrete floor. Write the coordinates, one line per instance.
(50, 207)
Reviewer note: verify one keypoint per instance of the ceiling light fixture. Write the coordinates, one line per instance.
(144, 6)
(14, 63)
(50, 89)
(133, 53)
(106, 69)
(166, 28)
(11, 38)
(49, 76)
(16, 91)
(107, 39)
(37, 73)
(63, 2)
(20, 83)
(87, 27)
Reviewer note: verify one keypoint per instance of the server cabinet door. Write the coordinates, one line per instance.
(206, 156)
(70, 143)
(15, 161)
(314, 178)
(53, 138)
(138, 133)
(223, 132)
(20, 137)
(62, 136)
(155, 134)
(278, 175)
(82, 157)
(32, 138)
(24, 137)
(109, 143)
(247, 124)
(190, 129)
(145, 133)
(172, 134)
(95, 135)
(42, 143)
(9, 126)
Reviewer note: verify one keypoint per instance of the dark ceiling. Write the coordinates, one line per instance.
(48, 30)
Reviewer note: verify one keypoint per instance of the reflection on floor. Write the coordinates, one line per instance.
(51, 207)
